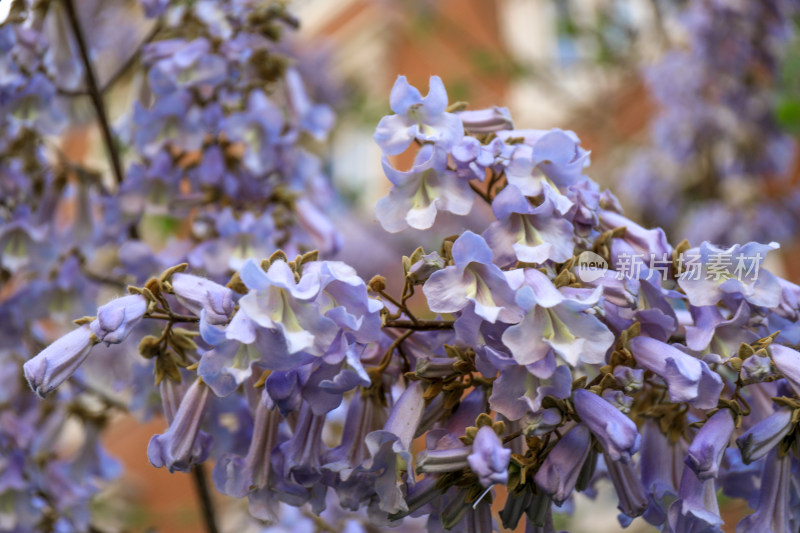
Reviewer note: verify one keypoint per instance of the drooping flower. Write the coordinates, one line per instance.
(182, 445)
(696, 508)
(708, 447)
(616, 432)
(774, 511)
(689, 379)
(787, 361)
(757, 441)
(630, 494)
(563, 465)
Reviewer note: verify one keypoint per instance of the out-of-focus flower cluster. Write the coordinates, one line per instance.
(719, 166)
(218, 161)
(532, 365)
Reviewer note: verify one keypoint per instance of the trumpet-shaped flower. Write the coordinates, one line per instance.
(556, 320)
(419, 194)
(424, 119)
(527, 232)
(474, 279)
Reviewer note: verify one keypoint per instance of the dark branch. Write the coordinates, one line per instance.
(207, 506)
(419, 324)
(115, 77)
(94, 91)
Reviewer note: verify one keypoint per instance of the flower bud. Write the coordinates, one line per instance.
(489, 459)
(116, 319)
(616, 432)
(56, 363)
(562, 466)
(183, 445)
(757, 441)
(427, 265)
(486, 120)
(709, 445)
(197, 293)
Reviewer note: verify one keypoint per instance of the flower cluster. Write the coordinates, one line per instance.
(215, 161)
(513, 371)
(718, 165)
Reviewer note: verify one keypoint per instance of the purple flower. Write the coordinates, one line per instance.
(391, 446)
(561, 468)
(277, 302)
(556, 320)
(419, 118)
(473, 158)
(545, 155)
(719, 335)
(302, 453)
(326, 235)
(689, 379)
(616, 432)
(696, 509)
(712, 273)
(316, 119)
(757, 441)
(630, 493)
(116, 319)
(489, 459)
(645, 242)
(489, 120)
(56, 363)
(417, 195)
(177, 63)
(199, 294)
(775, 508)
(183, 444)
(709, 445)
(661, 466)
(519, 390)
(787, 361)
(528, 233)
(260, 128)
(473, 279)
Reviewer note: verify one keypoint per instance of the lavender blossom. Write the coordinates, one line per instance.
(489, 459)
(616, 432)
(56, 363)
(708, 446)
(688, 378)
(419, 118)
(116, 319)
(182, 445)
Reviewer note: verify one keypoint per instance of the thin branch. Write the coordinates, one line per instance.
(121, 70)
(420, 324)
(94, 91)
(207, 506)
(173, 317)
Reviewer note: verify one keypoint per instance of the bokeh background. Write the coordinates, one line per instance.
(574, 64)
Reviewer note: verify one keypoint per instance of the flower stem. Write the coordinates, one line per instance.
(207, 506)
(94, 91)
